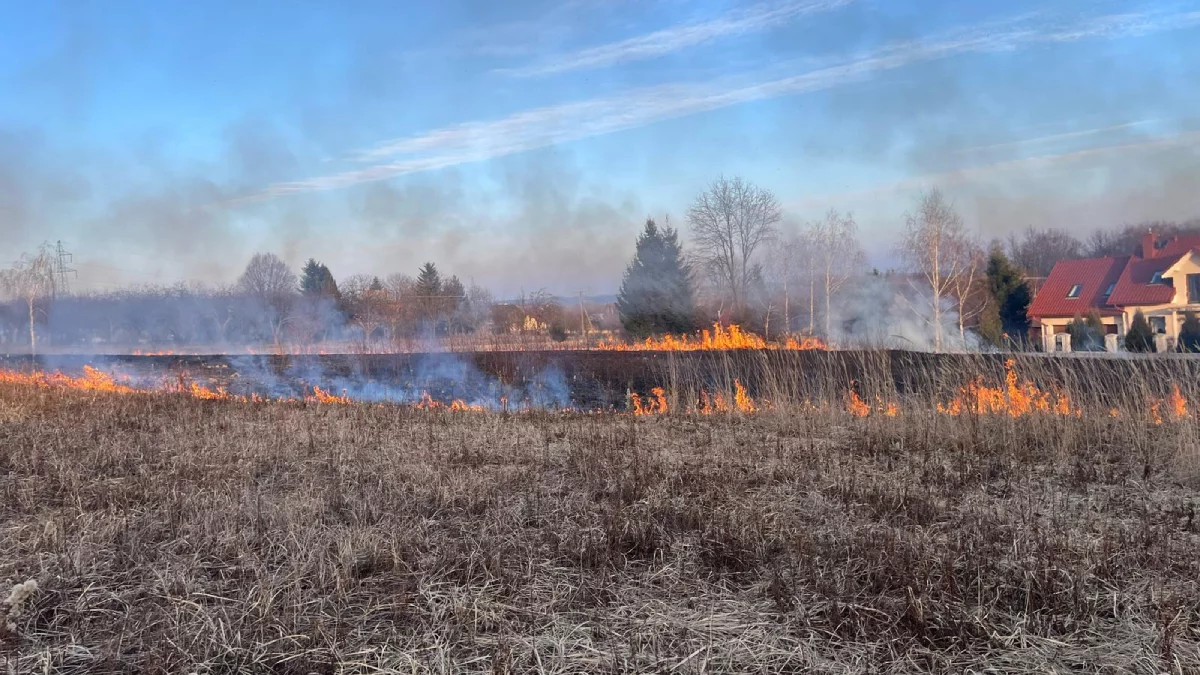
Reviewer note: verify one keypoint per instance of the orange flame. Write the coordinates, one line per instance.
(91, 380)
(719, 338)
(741, 399)
(857, 407)
(321, 396)
(95, 380)
(427, 402)
(655, 406)
(1175, 404)
(1016, 398)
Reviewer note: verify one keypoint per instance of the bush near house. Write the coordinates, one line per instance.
(1189, 333)
(1140, 337)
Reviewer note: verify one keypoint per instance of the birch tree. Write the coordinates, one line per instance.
(730, 221)
(787, 265)
(837, 257)
(31, 280)
(963, 284)
(932, 248)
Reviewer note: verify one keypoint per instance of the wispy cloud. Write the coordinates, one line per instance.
(541, 127)
(1054, 138)
(670, 40)
(981, 172)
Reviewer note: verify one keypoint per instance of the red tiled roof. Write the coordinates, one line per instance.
(1134, 287)
(1130, 275)
(1177, 246)
(1094, 275)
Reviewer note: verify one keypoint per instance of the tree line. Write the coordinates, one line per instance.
(746, 265)
(742, 263)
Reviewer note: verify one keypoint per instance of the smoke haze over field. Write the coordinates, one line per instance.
(522, 144)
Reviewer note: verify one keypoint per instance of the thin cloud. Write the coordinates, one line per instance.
(982, 172)
(1054, 138)
(552, 125)
(670, 40)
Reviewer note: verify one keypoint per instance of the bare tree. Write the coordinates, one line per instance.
(369, 304)
(1127, 239)
(1036, 251)
(729, 221)
(269, 281)
(31, 280)
(963, 284)
(786, 267)
(475, 309)
(837, 255)
(934, 248)
(267, 276)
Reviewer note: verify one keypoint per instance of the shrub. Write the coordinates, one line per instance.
(1189, 333)
(1140, 337)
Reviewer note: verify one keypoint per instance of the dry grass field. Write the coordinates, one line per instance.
(168, 534)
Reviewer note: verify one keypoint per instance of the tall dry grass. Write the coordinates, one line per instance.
(172, 535)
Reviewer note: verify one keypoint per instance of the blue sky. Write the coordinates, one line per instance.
(522, 143)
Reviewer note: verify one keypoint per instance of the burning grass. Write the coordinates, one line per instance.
(171, 533)
(720, 338)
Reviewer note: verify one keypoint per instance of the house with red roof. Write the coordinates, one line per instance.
(1162, 282)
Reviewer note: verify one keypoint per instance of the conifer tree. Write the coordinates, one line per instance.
(1140, 337)
(990, 327)
(1007, 285)
(656, 294)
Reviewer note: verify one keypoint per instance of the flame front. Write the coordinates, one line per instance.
(719, 338)
(91, 380)
(1017, 398)
(99, 381)
(653, 406)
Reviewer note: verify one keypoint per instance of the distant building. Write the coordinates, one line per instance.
(1162, 282)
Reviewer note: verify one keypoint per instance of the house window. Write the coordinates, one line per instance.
(1109, 290)
(1157, 278)
(1193, 281)
(1075, 290)
(1158, 324)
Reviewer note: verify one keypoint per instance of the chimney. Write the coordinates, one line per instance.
(1149, 250)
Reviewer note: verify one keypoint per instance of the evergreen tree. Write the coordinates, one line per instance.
(656, 292)
(1140, 337)
(1008, 288)
(453, 299)
(990, 329)
(1078, 331)
(323, 308)
(454, 292)
(1087, 335)
(429, 281)
(428, 292)
(1095, 331)
(1189, 333)
(317, 280)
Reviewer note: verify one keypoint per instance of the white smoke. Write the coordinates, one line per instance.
(894, 312)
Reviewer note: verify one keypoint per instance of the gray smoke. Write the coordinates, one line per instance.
(888, 312)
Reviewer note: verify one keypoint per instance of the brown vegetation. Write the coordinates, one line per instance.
(168, 534)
